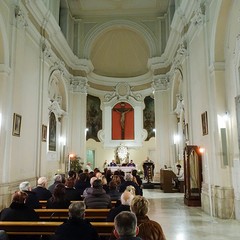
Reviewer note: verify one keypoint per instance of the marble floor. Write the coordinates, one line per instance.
(180, 222)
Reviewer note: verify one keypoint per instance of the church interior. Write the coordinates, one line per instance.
(99, 80)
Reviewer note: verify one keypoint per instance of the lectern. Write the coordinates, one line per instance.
(148, 171)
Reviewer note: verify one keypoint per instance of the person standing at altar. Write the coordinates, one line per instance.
(131, 164)
(113, 164)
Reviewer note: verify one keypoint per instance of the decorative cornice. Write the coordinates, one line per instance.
(78, 84)
(160, 83)
(199, 15)
(123, 91)
(21, 17)
(55, 107)
(46, 49)
(180, 56)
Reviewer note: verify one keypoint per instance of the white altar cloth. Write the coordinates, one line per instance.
(124, 169)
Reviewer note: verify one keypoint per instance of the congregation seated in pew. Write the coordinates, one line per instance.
(76, 227)
(19, 211)
(96, 196)
(58, 199)
(40, 228)
(41, 189)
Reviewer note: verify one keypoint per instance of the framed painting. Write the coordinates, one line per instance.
(16, 129)
(204, 123)
(44, 133)
(52, 135)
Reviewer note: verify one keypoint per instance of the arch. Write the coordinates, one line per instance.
(101, 29)
(219, 28)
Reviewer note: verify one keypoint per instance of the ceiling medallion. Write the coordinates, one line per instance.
(123, 89)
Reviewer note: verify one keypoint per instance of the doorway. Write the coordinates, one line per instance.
(91, 158)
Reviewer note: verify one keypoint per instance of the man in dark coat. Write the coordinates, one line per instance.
(96, 196)
(76, 227)
(32, 199)
(41, 190)
(57, 179)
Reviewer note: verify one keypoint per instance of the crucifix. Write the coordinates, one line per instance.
(123, 111)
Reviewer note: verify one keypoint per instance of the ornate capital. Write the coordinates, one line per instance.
(79, 85)
(160, 83)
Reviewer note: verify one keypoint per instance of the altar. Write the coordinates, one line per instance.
(125, 169)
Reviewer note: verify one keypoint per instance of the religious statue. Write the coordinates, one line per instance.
(123, 111)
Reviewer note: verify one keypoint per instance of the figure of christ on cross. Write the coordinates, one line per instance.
(123, 111)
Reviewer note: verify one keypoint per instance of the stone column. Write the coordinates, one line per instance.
(161, 95)
(77, 119)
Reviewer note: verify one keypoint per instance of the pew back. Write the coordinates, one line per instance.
(60, 214)
(48, 228)
(43, 203)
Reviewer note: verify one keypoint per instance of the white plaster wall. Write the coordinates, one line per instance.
(24, 102)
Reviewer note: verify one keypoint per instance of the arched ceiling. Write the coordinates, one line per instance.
(120, 53)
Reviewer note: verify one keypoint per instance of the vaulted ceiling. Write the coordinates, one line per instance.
(119, 52)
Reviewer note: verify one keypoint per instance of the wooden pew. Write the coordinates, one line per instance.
(61, 214)
(43, 203)
(48, 228)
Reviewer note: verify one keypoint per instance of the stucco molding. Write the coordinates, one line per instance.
(122, 92)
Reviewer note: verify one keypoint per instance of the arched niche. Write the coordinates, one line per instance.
(140, 134)
(57, 91)
(57, 125)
